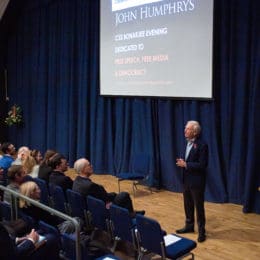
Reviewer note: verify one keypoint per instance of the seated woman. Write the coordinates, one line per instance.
(45, 169)
(31, 190)
(30, 166)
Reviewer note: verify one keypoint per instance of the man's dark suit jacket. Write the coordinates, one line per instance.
(86, 187)
(194, 175)
(9, 250)
(60, 179)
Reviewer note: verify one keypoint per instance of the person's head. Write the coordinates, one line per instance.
(29, 189)
(8, 148)
(83, 167)
(23, 152)
(28, 164)
(192, 130)
(16, 174)
(58, 163)
(48, 155)
(36, 154)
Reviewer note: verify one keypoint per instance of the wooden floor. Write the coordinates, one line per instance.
(231, 234)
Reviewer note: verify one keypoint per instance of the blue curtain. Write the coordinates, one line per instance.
(53, 66)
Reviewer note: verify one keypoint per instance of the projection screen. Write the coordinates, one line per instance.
(156, 48)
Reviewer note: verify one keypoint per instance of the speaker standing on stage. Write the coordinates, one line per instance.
(194, 179)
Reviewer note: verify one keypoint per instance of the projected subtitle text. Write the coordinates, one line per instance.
(142, 59)
(141, 34)
(130, 72)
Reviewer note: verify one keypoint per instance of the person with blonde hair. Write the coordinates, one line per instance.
(30, 166)
(22, 154)
(27, 244)
(31, 189)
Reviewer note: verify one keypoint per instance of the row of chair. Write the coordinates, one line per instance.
(116, 222)
(144, 233)
(71, 203)
(67, 244)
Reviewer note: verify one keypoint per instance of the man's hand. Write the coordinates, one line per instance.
(181, 163)
(33, 236)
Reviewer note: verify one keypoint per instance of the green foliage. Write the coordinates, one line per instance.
(14, 116)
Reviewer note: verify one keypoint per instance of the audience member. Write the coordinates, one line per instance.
(15, 175)
(1, 174)
(85, 186)
(31, 190)
(7, 159)
(1, 153)
(59, 166)
(36, 154)
(29, 246)
(30, 166)
(45, 169)
(22, 154)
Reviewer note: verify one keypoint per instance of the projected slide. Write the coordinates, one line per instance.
(156, 48)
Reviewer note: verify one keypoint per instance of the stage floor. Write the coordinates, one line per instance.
(231, 234)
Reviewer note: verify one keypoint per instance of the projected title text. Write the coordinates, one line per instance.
(150, 11)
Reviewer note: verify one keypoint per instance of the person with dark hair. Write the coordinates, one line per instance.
(59, 166)
(16, 176)
(45, 169)
(193, 167)
(1, 152)
(11, 247)
(35, 245)
(7, 159)
(85, 186)
(36, 154)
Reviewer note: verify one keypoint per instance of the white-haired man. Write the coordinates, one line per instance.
(193, 167)
(85, 186)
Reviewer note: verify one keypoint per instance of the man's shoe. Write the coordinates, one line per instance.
(140, 212)
(185, 230)
(201, 238)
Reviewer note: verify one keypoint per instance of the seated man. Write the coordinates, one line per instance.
(16, 176)
(59, 166)
(7, 159)
(28, 247)
(85, 186)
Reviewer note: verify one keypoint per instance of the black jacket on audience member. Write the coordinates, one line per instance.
(9, 250)
(60, 179)
(44, 172)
